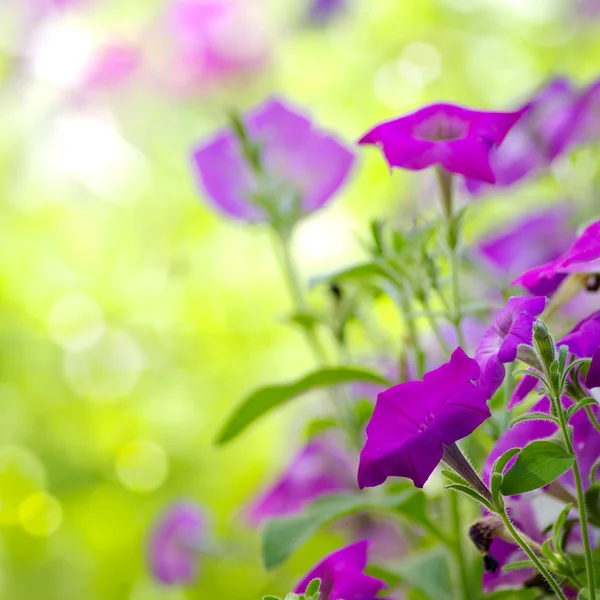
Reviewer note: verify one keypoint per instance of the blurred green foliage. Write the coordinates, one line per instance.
(133, 317)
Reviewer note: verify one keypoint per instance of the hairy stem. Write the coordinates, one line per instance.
(589, 563)
(532, 555)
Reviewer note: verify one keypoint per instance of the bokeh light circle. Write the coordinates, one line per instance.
(142, 466)
(40, 514)
(75, 322)
(108, 370)
(21, 474)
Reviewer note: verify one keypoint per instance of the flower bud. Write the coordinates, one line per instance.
(544, 345)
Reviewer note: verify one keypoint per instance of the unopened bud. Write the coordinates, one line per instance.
(544, 345)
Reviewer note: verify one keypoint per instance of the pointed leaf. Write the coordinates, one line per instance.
(557, 530)
(519, 564)
(467, 491)
(537, 465)
(575, 407)
(454, 477)
(503, 460)
(267, 398)
(281, 537)
(532, 416)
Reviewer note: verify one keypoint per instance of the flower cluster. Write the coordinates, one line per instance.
(272, 167)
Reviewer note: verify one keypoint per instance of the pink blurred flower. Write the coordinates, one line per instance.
(212, 40)
(111, 66)
(302, 167)
(175, 542)
(533, 239)
(582, 257)
(558, 116)
(319, 469)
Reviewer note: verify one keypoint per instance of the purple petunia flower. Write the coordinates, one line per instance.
(175, 542)
(320, 468)
(583, 341)
(512, 326)
(558, 116)
(342, 577)
(582, 257)
(586, 440)
(535, 238)
(302, 167)
(414, 421)
(457, 138)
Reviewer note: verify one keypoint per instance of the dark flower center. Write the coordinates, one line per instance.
(441, 128)
(593, 283)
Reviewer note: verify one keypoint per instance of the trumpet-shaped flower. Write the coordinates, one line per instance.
(582, 257)
(175, 543)
(320, 468)
(534, 239)
(456, 138)
(342, 577)
(301, 167)
(512, 326)
(414, 421)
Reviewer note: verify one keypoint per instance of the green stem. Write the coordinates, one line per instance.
(592, 418)
(532, 555)
(290, 275)
(457, 317)
(445, 184)
(457, 546)
(589, 564)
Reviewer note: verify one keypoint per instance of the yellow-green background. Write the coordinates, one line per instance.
(187, 308)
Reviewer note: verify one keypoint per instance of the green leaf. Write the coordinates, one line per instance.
(575, 407)
(267, 398)
(532, 416)
(271, 598)
(453, 477)
(316, 427)
(426, 572)
(503, 460)
(283, 536)
(519, 564)
(467, 491)
(559, 524)
(313, 587)
(537, 465)
(592, 502)
(357, 272)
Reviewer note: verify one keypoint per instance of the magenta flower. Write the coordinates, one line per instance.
(582, 257)
(512, 326)
(302, 167)
(413, 421)
(535, 238)
(583, 341)
(320, 468)
(458, 139)
(175, 542)
(342, 577)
